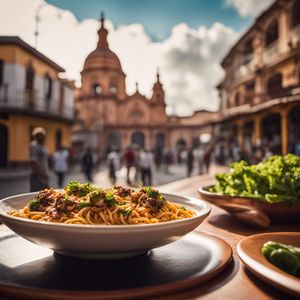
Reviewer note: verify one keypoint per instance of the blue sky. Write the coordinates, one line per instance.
(158, 16)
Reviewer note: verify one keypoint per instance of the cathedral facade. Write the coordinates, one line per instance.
(109, 118)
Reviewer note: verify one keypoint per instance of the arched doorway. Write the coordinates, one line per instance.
(181, 146)
(271, 133)
(3, 145)
(160, 140)
(248, 131)
(114, 141)
(138, 138)
(294, 129)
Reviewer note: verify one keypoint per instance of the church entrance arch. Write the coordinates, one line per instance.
(114, 141)
(138, 138)
(3, 145)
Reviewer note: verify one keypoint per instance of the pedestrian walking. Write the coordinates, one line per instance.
(60, 162)
(88, 164)
(38, 156)
(190, 162)
(129, 158)
(114, 165)
(146, 164)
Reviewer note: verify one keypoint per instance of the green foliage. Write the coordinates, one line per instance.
(276, 179)
(34, 204)
(153, 193)
(78, 189)
(283, 256)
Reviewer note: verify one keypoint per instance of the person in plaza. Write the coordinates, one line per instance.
(146, 164)
(60, 162)
(190, 162)
(129, 158)
(114, 164)
(206, 159)
(87, 163)
(38, 156)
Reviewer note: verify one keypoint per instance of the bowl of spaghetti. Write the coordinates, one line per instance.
(85, 221)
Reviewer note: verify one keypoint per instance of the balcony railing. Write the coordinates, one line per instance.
(271, 52)
(295, 37)
(28, 101)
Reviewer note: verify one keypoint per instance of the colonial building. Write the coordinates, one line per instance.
(108, 117)
(31, 95)
(260, 93)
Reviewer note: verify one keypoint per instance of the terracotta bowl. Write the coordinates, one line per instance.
(255, 210)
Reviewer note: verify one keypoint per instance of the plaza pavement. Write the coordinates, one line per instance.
(17, 182)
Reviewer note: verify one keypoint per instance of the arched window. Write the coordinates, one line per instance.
(3, 145)
(96, 89)
(295, 11)
(48, 87)
(114, 140)
(274, 85)
(160, 140)
(271, 34)
(113, 88)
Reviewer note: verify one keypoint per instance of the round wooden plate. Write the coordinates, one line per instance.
(249, 251)
(31, 272)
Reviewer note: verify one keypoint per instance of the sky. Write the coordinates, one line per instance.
(186, 39)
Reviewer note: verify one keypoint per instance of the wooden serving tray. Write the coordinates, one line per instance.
(28, 271)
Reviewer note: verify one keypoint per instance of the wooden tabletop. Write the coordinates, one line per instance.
(235, 282)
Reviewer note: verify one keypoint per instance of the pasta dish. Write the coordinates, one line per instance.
(86, 204)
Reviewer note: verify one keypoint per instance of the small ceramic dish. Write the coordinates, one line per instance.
(249, 251)
(102, 241)
(251, 211)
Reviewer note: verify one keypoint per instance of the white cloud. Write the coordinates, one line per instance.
(188, 59)
(249, 8)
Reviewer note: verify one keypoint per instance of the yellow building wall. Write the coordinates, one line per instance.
(15, 55)
(19, 127)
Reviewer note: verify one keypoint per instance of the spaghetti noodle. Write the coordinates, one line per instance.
(86, 204)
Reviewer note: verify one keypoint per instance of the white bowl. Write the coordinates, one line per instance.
(102, 241)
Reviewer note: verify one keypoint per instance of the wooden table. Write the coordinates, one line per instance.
(235, 282)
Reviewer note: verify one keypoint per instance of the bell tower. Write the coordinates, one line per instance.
(158, 95)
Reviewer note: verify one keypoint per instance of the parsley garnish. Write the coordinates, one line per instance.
(82, 204)
(125, 212)
(34, 204)
(110, 199)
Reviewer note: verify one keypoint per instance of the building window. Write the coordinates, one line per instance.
(48, 87)
(96, 89)
(58, 138)
(237, 99)
(1, 71)
(61, 97)
(29, 78)
(113, 89)
(295, 13)
(271, 33)
(274, 85)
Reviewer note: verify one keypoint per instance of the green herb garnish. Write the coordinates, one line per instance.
(34, 204)
(82, 204)
(125, 212)
(78, 189)
(110, 199)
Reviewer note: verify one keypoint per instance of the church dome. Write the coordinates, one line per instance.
(102, 57)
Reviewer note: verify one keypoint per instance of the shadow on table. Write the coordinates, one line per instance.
(227, 222)
(272, 292)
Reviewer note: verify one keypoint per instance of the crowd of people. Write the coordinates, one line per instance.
(140, 163)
